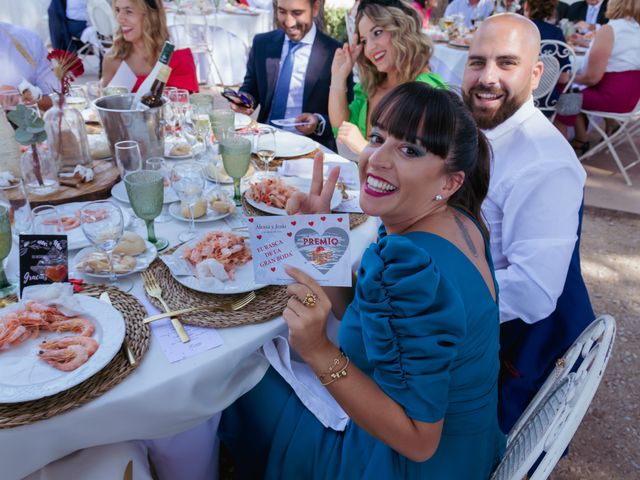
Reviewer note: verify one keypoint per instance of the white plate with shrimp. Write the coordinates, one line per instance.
(70, 218)
(302, 184)
(24, 376)
(243, 280)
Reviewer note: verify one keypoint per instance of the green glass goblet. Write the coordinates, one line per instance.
(6, 287)
(145, 189)
(236, 156)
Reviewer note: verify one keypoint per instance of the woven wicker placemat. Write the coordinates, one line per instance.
(355, 219)
(137, 334)
(269, 302)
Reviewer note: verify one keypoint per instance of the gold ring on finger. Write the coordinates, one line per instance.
(310, 300)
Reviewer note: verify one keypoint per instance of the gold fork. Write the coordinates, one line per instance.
(153, 290)
(227, 307)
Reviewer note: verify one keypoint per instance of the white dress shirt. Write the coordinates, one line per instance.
(300, 63)
(480, 11)
(15, 67)
(592, 13)
(535, 193)
(76, 9)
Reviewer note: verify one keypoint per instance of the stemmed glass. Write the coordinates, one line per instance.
(145, 189)
(221, 122)
(187, 180)
(128, 159)
(266, 145)
(236, 156)
(77, 98)
(159, 165)
(103, 225)
(15, 198)
(6, 287)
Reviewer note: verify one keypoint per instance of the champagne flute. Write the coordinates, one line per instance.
(129, 159)
(266, 145)
(159, 165)
(187, 180)
(145, 189)
(14, 197)
(46, 220)
(6, 287)
(103, 225)
(236, 156)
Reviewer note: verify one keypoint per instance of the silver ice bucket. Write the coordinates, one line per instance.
(120, 122)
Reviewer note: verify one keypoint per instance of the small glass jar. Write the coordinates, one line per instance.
(39, 170)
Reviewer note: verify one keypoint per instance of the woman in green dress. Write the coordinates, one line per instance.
(390, 49)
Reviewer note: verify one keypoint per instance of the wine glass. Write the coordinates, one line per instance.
(76, 98)
(266, 145)
(221, 122)
(145, 189)
(187, 180)
(158, 164)
(14, 197)
(46, 220)
(129, 159)
(103, 225)
(6, 287)
(236, 156)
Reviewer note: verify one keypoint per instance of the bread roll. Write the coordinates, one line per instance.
(199, 209)
(131, 244)
(180, 149)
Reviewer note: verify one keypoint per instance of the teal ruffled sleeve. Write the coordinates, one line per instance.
(412, 323)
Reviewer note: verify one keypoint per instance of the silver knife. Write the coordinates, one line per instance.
(104, 296)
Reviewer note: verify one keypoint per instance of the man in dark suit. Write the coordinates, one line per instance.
(591, 12)
(289, 72)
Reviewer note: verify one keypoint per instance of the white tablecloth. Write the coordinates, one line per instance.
(159, 398)
(229, 37)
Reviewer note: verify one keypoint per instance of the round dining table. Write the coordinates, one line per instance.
(158, 398)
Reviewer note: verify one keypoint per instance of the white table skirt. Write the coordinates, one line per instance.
(228, 36)
(159, 398)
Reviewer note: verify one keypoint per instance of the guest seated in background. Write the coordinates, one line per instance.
(425, 9)
(541, 13)
(289, 71)
(471, 10)
(533, 208)
(23, 56)
(390, 49)
(67, 21)
(588, 14)
(419, 333)
(142, 31)
(611, 72)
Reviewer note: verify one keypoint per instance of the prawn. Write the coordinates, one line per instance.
(80, 326)
(67, 353)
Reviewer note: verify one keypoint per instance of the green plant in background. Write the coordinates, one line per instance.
(30, 132)
(335, 23)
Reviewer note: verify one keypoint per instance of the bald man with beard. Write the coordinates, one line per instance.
(533, 210)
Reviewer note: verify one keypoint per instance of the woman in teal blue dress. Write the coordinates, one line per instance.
(389, 49)
(417, 364)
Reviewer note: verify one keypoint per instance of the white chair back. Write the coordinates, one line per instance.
(552, 55)
(101, 17)
(553, 416)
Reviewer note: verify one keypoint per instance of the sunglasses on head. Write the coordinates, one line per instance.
(152, 4)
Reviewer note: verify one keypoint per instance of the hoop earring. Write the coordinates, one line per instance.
(438, 198)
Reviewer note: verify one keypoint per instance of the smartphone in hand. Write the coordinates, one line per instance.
(239, 98)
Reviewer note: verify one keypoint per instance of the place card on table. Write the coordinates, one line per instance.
(316, 244)
(43, 259)
(201, 339)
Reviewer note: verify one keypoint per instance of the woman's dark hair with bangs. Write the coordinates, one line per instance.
(438, 120)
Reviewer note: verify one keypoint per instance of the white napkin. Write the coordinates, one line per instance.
(59, 295)
(306, 385)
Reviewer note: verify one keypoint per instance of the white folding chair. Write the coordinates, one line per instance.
(551, 54)
(101, 18)
(553, 416)
(629, 125)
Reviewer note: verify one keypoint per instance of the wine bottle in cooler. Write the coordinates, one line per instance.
(153, 98)
(163, 59)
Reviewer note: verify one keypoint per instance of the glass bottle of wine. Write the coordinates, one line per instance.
(165, 56)
(153, 98)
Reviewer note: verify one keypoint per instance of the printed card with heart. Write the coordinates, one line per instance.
(316, 244)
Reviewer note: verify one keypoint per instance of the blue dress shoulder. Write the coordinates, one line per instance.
(424, 326)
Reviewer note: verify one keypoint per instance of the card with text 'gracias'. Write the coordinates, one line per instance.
(316, 244)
